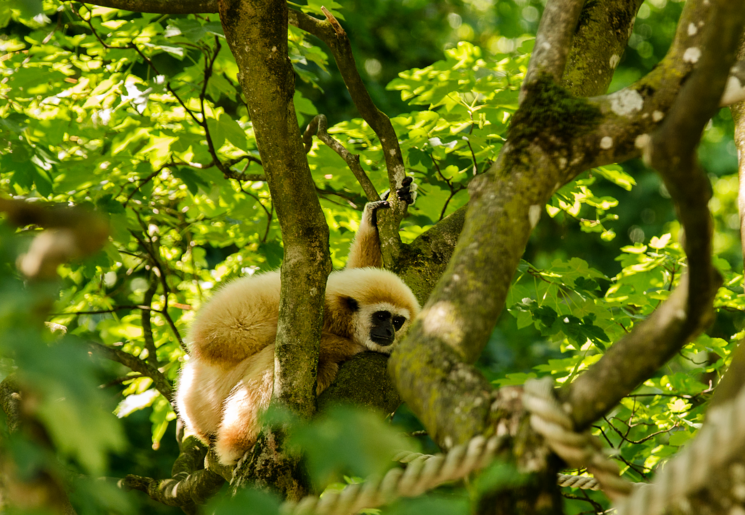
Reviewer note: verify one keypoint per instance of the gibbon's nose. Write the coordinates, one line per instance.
(383, 334)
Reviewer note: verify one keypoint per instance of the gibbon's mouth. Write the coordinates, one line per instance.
(383, 342)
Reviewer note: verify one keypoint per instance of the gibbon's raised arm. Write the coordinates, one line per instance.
(365, 251)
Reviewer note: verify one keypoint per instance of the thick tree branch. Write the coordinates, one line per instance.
(136, 365)
(317, 127)
(602, 34)
(257, 33)
(330, 32)
(423, 261)
(147, 326)
(553, 41)
(738, 115)
(631, 114)
(506, 203)
(672, 151)
(363, 381)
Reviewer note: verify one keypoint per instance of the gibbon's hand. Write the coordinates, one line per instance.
(406, 193)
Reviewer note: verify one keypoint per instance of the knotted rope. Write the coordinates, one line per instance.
(548, 419)
(721, 438)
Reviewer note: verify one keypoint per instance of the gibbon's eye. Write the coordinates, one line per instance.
(398, 322)
(381, 315)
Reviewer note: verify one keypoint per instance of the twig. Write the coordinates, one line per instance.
(136, 365)
(318, 127)
(162, 276)
(147, 327)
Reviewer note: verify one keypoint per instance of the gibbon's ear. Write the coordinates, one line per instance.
(351, 304)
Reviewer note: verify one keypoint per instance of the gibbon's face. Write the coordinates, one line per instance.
(380, 326)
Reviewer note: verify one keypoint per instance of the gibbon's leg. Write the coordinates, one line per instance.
(248, 399)
(365, 249)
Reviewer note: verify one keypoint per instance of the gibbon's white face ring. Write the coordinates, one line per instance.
(364, 325)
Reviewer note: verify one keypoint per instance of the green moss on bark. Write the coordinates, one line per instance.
(550, 117)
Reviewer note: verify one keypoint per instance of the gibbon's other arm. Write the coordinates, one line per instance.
(365, 249)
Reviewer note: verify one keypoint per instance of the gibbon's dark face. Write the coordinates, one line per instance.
(383, 327)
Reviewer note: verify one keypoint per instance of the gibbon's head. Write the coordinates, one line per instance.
(372, 306)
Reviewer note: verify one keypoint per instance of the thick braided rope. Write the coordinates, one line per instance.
(423, 472)
(548, 419)
(720, 440)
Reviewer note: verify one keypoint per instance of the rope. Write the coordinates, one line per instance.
(720, 440)
(548, 419)
(423, 472)
(583, 482)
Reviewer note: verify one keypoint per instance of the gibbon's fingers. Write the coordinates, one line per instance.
(407, 192)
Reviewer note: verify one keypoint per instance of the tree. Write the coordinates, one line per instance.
(139, 118)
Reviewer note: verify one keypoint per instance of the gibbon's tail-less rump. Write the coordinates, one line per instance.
(227, 382)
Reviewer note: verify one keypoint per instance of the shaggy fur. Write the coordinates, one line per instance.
(227, 382)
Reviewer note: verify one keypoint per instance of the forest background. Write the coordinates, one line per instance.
(110, 110)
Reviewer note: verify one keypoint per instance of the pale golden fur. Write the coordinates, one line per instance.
(228, 380)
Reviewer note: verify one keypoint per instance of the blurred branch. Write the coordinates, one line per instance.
(317, 127)
(10, 400)
(136, 365)
(672, 151)
(71, 233)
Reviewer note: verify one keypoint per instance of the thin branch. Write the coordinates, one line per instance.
(160, 6)
(147, 326)
(102, 311)
(317, 127)
(136, 365)
(162, 276)
(329, 32)
(269, 213)
(143, 182)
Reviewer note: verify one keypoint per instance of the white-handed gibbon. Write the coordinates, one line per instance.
(228, 381)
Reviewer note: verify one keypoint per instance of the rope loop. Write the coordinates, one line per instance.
(578, 450)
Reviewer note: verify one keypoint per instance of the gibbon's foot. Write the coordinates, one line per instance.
(406, 193)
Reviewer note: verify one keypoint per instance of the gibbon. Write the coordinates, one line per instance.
(228, 381)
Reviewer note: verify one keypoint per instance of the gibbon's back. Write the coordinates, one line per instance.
(239, 320)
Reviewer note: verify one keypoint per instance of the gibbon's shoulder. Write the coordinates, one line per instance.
(372, 286)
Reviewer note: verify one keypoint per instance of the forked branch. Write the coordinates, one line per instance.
(671, 150)
(317, 127)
